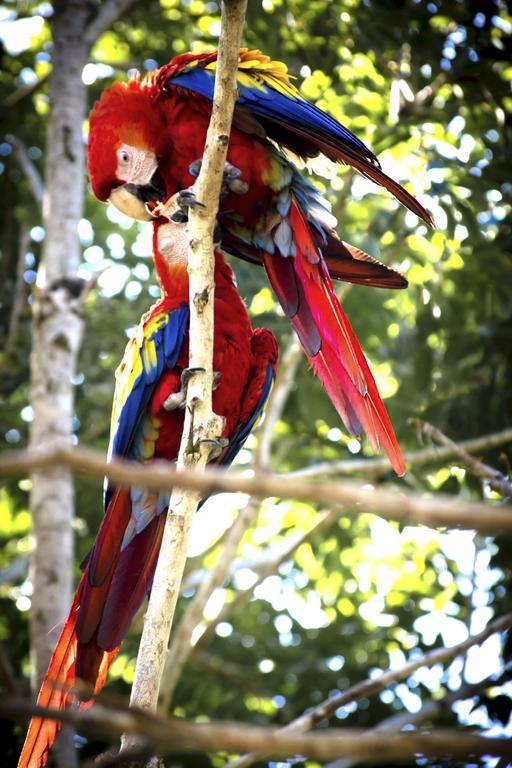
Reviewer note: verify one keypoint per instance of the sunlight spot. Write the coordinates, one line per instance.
(17, 34)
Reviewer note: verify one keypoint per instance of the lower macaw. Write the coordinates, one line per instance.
(145, 142)
(147, 423)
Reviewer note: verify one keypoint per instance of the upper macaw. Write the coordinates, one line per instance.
(145, 139)
(147, 424)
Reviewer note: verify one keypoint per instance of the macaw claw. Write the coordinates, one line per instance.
(231, 181)
(177, 400)
(217, 445)
(185, 199)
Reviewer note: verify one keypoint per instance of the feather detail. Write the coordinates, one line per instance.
(266, 91)
(307, 296)
(119, 571)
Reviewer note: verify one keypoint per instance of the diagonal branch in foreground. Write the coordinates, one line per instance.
(171, 734)
(412, 508)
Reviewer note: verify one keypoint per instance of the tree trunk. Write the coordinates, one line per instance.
(57, 330)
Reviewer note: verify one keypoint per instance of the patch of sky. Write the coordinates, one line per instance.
(458, 36)
(143, 245)
(37, 234)
(96, 71)
(94, 254)
(115, 243)
(17, 34)
(132, 290)
(85, 231)
(113, 280)
(212, 519)
(116, 217)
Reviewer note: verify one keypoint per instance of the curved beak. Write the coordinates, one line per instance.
(131, 199)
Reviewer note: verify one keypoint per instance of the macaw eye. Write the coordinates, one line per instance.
(123, 156)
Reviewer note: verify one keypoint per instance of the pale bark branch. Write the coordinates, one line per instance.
(181, 646)
(375, 467)
(201, 425)
(368, 687)
(412, 508)
(171, 734)
(497, 480)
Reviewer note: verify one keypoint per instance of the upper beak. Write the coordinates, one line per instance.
(131, 199)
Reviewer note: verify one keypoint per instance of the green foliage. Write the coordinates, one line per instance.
(428, 87)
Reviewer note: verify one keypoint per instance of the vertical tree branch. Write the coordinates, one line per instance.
(181, 647)
(56, 335)
(201, 425)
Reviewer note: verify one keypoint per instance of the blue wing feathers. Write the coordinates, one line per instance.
(238, 439)
(168, 339)
(298, 115)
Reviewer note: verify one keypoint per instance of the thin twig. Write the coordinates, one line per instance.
(372, 468)
(19, 296)
(25, 90)
(28, 167)
(368, 687)
(430, 710)
(441, 511)
(497, 480)
(108, 12)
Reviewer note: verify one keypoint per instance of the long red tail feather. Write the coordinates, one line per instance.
(113, 585)
(305, 290)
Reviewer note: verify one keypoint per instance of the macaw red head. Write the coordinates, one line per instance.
(126, 140)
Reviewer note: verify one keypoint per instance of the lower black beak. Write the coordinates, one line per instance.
(154, 192)
(131, 199)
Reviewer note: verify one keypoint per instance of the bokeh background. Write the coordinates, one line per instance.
(427, 86)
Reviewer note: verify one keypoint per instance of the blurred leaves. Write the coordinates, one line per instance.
(427, 85)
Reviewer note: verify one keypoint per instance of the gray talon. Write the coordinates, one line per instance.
(195, 167)
(186, 199)
(237, 186)
(231, 181)
(178, 399)
(231, 171)
(217, 445)
(175, 401)
(179, 217)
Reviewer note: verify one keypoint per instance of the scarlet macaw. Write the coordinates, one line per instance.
(147, 425)
(145, 139)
